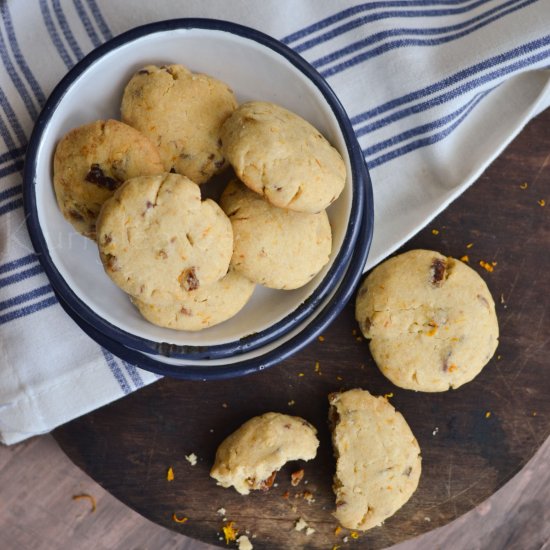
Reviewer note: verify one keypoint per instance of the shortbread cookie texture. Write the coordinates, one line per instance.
(250, 457)
(378, 461)
(158, 241)
(275, 247)
(92, 161)
(181, 112)
(202, 308)
(283, 157)
(430, 319)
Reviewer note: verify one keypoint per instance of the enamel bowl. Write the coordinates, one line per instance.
(255, 66)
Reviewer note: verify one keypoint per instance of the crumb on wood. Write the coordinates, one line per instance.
(192, 459)
(244, 543)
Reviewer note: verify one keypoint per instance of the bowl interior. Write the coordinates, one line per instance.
(253, 71)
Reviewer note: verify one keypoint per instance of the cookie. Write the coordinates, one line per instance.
(378, 460)
(158, 241)
(92, 161)
(275, 247)
(203, 308)
(430, 319)
(181, 112)
(283, 157)
(251, 456)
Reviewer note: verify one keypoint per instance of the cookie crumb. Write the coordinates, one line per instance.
(542, 202)
(523, 185)
(308, 497)
(435, 231)
(300, 524)
(321, 338)
(488, 414)
(317, 367)
(221, 511)
(345, 539)
(224, 405)
(310, 531)
(469, 245)
(192, 459)
(465, 259)
(170, 474)
(300, 374)
(436, 431)
(426, 518)
(291, 403)
(354, 535)
(244, 543)
(534, 413)
(388, 395)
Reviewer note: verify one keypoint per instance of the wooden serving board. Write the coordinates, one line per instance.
(473, 439)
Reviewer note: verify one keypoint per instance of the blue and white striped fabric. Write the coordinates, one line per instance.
(435, 90)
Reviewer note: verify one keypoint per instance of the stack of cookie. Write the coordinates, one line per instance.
(134, 187)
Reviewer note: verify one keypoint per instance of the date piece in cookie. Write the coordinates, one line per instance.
(202, 308)
(158, 241)
(181, 112)
(275, 247)
(378, 460)
(92, 161)
(250, 457)
(430, 319)
(283, 157)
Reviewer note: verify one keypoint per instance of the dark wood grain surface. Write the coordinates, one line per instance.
(467, 453)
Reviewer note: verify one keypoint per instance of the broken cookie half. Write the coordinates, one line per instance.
(378, 461)
(250, 457)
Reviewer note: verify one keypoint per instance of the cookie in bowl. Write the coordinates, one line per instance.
(158, 241)
(280, 155)
(181, 112)
(275, 247)
(92, 161)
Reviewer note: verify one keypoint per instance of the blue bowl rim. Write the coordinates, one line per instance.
(248, 366)
(360, 181)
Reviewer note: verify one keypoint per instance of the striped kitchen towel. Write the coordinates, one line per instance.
(435, 89)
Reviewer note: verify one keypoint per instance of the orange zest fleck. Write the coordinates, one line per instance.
(452, 368)
(487, 266)
(465, 259)
(435, 231)
(183, 519)
(541, 202)
(88, 497)
(488, 414)
(300, 374)
(388, 395)
(337, 530)
(170, 474)
(296, 477)
(354, 535)
(433, 330)
(523, 185)
(229, 532)
(321, 338)
(317, 366)
(286, 494)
